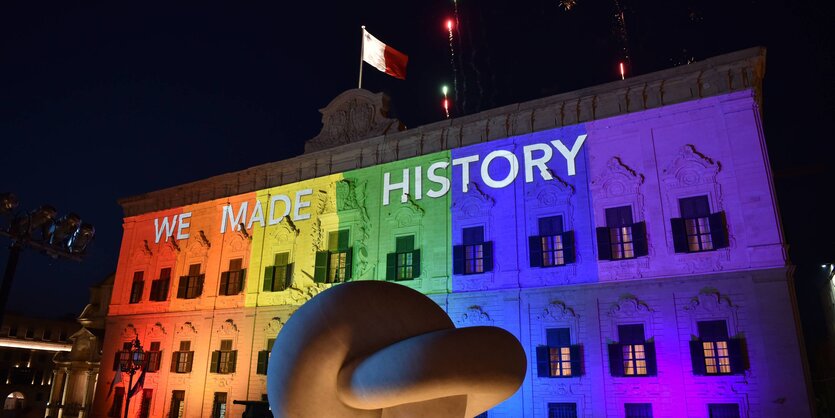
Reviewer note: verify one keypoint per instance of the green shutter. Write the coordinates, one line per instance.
(543, 363)
(488, 256)
(343, 243)
(269, 273)
(616, 359)
(604, 244)
(416, 264)
(391, 266)
(697, 358)
(288, 276)
(535, 248)
(320, 272)
(349, 263)
(457, 259)
(679, 230)
(576, 353)
(215, 365)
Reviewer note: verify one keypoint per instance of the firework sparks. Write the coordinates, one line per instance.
(445, 91)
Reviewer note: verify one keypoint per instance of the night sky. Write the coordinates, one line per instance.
(111, 99)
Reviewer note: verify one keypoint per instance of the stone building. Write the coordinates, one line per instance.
(627, 234)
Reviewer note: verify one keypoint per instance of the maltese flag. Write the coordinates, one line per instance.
(383, 57)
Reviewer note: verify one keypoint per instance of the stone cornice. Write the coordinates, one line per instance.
(737, 71)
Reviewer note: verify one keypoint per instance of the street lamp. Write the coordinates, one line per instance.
(133, 363)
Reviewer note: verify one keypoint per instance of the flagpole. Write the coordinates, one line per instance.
(362, 51)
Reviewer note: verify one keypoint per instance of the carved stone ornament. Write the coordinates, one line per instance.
(227, 328)
(556, 311)
(352, 116)
(617, 180)
(170, 247)
(690, 168)
(157, 331)
(285, 231)
(186, 330)
(274, 326)
(629, 307)
(129, 333)
(710, 303)
(473, 316)
(474, 204)
(551, 193)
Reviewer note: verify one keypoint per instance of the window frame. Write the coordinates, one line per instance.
(160, 286)
(232, 280)
(137, 287)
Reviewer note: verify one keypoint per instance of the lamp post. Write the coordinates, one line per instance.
(134, 362)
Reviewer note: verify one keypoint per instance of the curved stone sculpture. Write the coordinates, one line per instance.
(378, 349)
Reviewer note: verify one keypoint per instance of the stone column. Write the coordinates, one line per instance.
(56, 392)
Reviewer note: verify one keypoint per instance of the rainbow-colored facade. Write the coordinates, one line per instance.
(560, 220)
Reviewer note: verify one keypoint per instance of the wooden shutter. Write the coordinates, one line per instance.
(288, 276)
(416, 264)
(639, 239)
(269, 274)
(488, 256)
(262, 362)
(543, 361)
(116, 358)
(535, 248)
(652, 367)
(718, 230)
(200, 284)
(576, 352)
(241, 280)
(175, 357)
(155, 289)
(214, 367)
(458, 259)
(737, 355)
(679, 235)
(568, 250)
(181, 288)
(697, 358)
(233, 359)
(604, 245)
(189, 360)
(320, 271)
(224, 283)
(616, 359)
(349, 263)
(391, 266)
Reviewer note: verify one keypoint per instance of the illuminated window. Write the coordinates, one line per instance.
(145, 405)
(723, 410)
(223, 360)
(120, 359)
(715, 353)
(559, 358)
(335, 264)
(232, 281)
(632, 355)
(137, 286)
(404, 263)
(182, 359)
(621, 238)
(191, 286)
(638, 410)
(562, 410)
(264, 357)
(178, 404)
(475, 255)
(697, 229)
(280, 275)
(159, 287)
(219, 405)
(153, 357)
(116, 409)
(553, 246)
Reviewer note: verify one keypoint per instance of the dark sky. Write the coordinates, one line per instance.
(111, 99)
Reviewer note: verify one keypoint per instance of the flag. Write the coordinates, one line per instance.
(138, 385)
(383, 57)
(116, 379)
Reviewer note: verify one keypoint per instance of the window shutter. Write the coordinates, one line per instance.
(224, 283)
(215, 364)
(697, 357)
(391, 266)
(458, 259)
(576, 352)
(320, 272)
(233, 358)
(140, 289)
(604, 245)
(200, 284)
(679, 235)
(718, 229)
(181, 288)
(349, 263)
(262, 362)
(189, 360)
(488, 256)
(116, 361)
(241, 280)
(288, 276)
(543, 361)
(535, 245)
(416, 264)
(269, 274)
(569, 252)
(616, 359)
(175, 356)
(155, 289)
(652, 368)
(639, 239)
(736, 355)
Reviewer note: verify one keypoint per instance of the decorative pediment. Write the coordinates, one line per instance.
(475, 203)
(689, 168)
(407, 214)
(710, 302)
(629, 307)
(285, 231)
(550, 193)
(351, 194)
(170, 248)
(473, 316)
(129, 333)
(557, 311)
(227, 328)
(186, 330)
(274, 326)
(198, 246)
(617, 179)
(352, 116)
(238, 241)
(157, 331)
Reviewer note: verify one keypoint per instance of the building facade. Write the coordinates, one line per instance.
(627, 234)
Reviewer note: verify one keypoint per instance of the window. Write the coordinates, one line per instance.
(219, 405)
(232, 281)
(223, 360)
(474, 256)
(145, 405)
(279, 276)
(191, 286)
(182, 359)
(178, 404)
(116, 409)
(638, 410)
(559, 358)
(264, 357)
(13, 331)
(137, 286)
(723, 410)
(404, 262)
(552, 247)
(714, 353)
(30, 333)
(62, 335)
(621, 238)
(632, 355)
(159, 287)
(122, 356)
(697, 229)
(335, 264)
(562, 410)
(47, 335)
(154, 357)
(22, 376)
